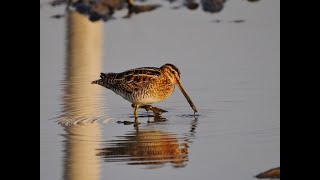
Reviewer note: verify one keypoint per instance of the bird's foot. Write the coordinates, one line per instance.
(156, 111)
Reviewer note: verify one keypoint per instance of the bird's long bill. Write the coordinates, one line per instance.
(187, 96)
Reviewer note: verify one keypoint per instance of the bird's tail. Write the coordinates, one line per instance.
(99, 81)
(106, 78)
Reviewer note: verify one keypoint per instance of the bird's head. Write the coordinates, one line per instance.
(173, 73)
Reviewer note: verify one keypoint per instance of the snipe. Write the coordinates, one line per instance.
(144, 86)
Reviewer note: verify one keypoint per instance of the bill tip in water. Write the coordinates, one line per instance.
(195, 110)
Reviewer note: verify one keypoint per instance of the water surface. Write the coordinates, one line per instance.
(230, 70)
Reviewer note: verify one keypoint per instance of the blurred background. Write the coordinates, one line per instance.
(228, 53)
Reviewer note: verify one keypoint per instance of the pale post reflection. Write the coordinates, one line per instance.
(82, 106)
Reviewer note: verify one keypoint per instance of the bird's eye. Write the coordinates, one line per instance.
(172, 72)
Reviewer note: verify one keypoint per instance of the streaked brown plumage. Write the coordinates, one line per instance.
(145, 85)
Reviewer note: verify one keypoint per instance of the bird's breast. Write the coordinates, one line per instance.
(153, 94)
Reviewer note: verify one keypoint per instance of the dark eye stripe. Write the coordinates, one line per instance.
(173, 67)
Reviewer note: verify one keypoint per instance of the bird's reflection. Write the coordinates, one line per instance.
(152, 148)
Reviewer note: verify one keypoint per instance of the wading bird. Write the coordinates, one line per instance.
(144, 86)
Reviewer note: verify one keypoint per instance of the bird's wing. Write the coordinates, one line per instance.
(133, 79)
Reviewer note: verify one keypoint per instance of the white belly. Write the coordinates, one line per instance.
(145, 101)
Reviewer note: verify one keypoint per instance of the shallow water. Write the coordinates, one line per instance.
(230, 70)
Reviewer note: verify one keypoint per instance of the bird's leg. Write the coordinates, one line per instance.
(130, 8)
(130, 2)
(156, 111)
(136, 106)
(146, 107)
